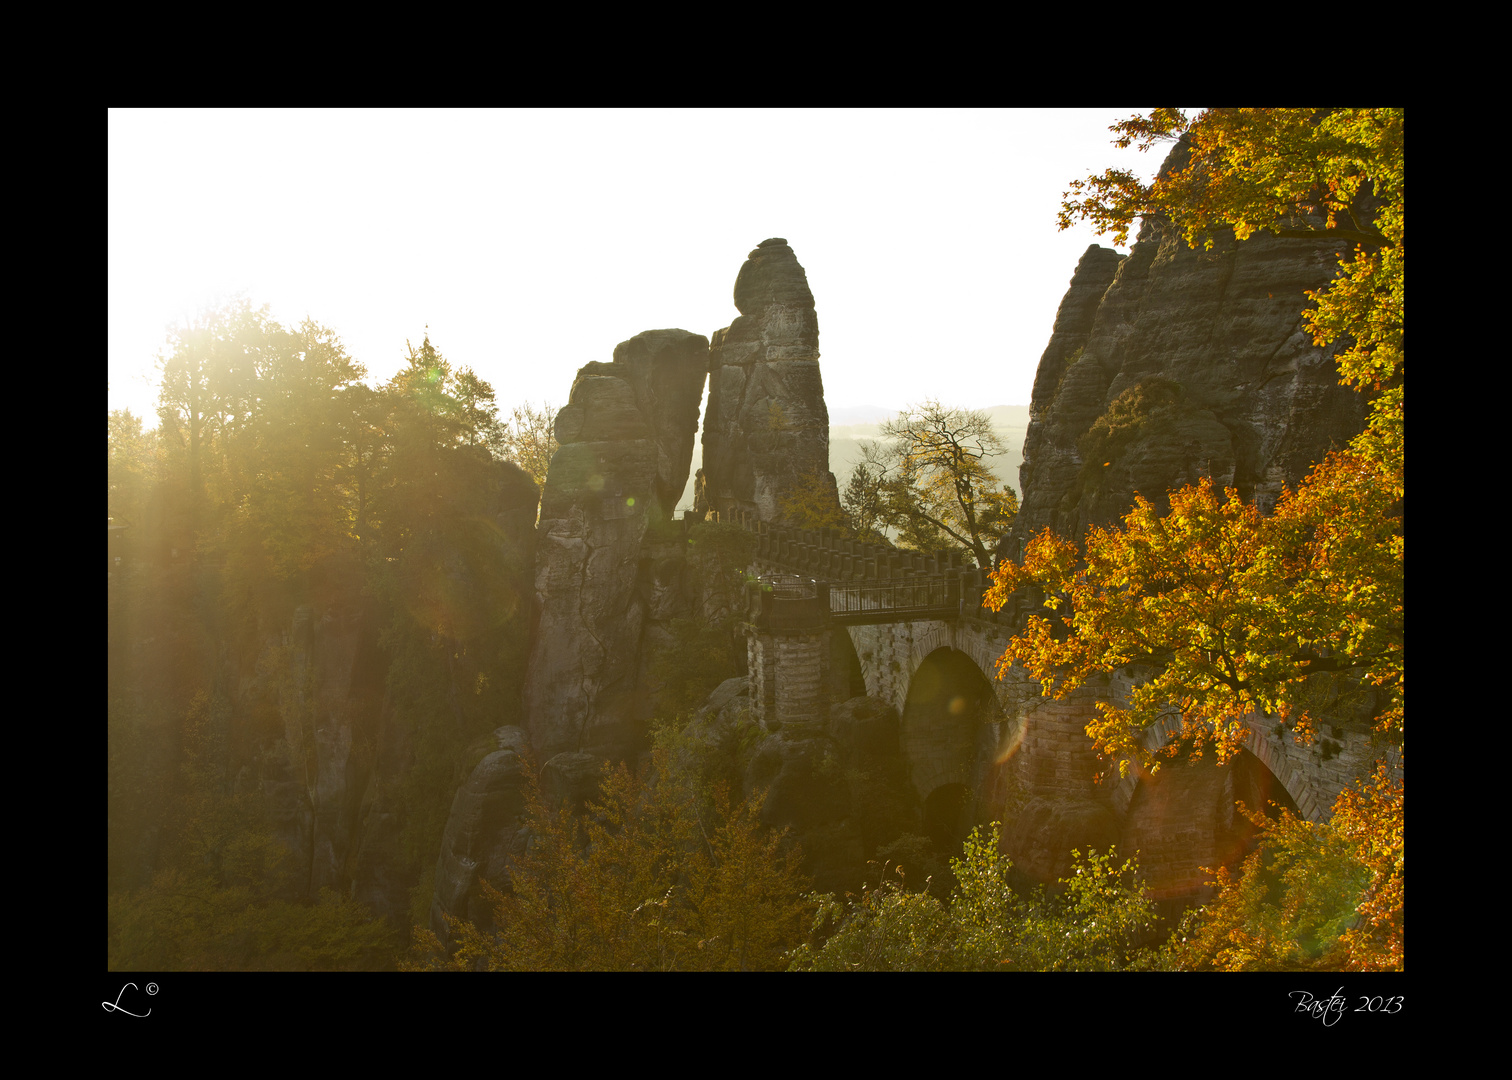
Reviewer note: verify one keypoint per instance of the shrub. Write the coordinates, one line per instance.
(1101, 920)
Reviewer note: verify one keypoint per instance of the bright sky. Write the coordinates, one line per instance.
(532, 242)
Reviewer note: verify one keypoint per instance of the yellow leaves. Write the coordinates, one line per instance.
(1235, 611)
(650, 876)
(811, 502)
(1313, 896)
(1281, 169)
(1371, 820)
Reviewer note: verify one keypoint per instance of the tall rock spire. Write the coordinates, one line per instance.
(766, 427)
(625, 439)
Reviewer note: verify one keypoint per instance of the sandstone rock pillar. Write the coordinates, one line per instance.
(767, 427)
(625, 441)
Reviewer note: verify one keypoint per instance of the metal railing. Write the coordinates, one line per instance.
(792, 600)
(789, 586)
(905, 597)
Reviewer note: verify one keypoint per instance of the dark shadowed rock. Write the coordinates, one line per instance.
(1164, 367)
(767, 425)
(569, 780)
(842, 791)
(1187, 364)
(1042, 835)
(487, 815)
(626, 438)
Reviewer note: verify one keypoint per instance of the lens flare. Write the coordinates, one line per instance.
(1013, 739)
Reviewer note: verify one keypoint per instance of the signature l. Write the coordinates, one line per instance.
(116, 1005)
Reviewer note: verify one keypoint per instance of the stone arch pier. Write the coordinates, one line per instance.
(952, 728)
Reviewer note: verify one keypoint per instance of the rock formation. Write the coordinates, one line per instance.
(767, 426)
(613, 571)
(1164, 366)
(609, 564)
(625, 443)
(331, 779)
(839, 787)
(1172, 364)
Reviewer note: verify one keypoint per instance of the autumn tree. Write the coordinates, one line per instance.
(279, 479)
(929, 479)
(130, 468)
(209, 387)
(1241, 611)
(366, 444)
(1238, 616)
(650, 877)
(528, 439)
(478, 411)
(439, 431)
(864, 503)
(220, 903)
(297, 502)
(452, 581)
(599, 891)
(810, 503)
(1309, 897)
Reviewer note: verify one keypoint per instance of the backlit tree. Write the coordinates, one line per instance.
(1238, 615)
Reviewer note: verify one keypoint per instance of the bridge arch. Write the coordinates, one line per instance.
(949, 814)
(891, 654)
(1312, 775)
(949, 703)
(1186, 816)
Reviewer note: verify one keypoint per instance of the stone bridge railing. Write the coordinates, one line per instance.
(788, 601)
(872, 582)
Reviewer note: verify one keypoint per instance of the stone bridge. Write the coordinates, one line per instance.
(832, 618)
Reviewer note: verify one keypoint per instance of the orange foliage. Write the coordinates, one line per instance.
(1240, 614)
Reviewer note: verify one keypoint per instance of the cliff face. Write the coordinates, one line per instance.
(1164, 366)
(625, 442)
(767, 425)
(333, 773)
(1171, 364)
(610, 570)
(614, 572)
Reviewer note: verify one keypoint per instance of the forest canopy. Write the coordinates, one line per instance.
(278, 489)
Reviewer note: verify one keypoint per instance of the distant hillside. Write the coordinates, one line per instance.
(851, 424)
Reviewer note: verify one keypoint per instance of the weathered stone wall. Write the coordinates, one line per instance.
(799, 699)
(1032, 765)
(891, 652)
